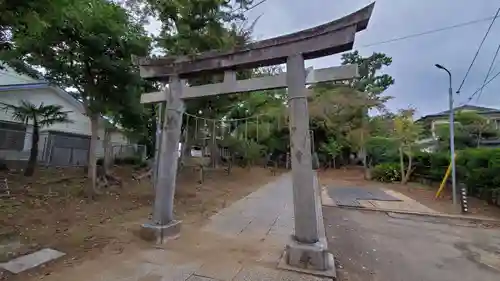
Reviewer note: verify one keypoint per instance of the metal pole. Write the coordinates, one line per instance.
(452, 144)
(452, 136)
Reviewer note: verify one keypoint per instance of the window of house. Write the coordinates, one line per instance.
(12, 136)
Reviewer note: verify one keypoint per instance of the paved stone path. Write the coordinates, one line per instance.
(265, 214)
(242, 242)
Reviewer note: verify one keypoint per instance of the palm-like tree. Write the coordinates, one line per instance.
(41, 116)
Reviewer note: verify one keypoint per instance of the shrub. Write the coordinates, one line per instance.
(387, 172)
(382, 150)
(479, 169)
(431, 166)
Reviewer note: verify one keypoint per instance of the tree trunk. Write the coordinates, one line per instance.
(406, 178)
(30, 167)
(363, 144)
(478, 139)
(108, 152)
(402, 164)
(91, 189)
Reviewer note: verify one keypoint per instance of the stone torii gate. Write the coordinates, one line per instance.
(307, 248)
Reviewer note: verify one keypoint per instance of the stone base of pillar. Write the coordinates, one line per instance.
(160, 234)
(308, 258)
(311, 258)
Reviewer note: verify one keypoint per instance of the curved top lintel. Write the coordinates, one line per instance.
(329, 38)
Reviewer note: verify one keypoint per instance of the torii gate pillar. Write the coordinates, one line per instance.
(308, 247)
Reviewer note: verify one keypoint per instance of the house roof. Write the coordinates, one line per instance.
(45, 85)
(12, 77)
(19, 81)
(477, 109)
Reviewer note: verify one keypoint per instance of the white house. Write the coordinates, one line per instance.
(60, 144)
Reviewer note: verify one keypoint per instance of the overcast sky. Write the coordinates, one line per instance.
(418, 82)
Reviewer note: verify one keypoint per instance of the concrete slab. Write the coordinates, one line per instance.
(260, 273)
(223, 270)
(158, 272)
(200, 278)
(405, 203)
(350, 196)
(32, 260)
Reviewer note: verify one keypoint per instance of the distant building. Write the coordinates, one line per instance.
(433, 121)
(63, 144)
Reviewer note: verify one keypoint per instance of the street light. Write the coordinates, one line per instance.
(452, 137)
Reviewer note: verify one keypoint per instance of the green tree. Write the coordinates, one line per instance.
(477, 126)
(87, 46)
(332, 148)
(190, 27)
(40, 116)
(372, 84)
(407, 132)
(470, 129)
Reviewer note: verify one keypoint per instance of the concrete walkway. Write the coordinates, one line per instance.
(242, 242)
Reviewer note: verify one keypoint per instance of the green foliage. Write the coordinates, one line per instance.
(87, 46)
(431, 166)
(17, 13)
(387, 172)
(382, 150)
(332, 147)
(41, 115)
(479, 169)
(369, 82)
(329, 151)
(470, 129)
(252, 152)
(406, 130)
(246, 151)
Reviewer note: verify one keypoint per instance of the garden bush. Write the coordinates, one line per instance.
(431, 166)
(387, 172)
(382, 150)
(479, 169)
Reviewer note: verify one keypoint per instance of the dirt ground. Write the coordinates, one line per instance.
(49, 210)
(421, 193)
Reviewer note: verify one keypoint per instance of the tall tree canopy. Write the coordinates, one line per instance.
(86, 46)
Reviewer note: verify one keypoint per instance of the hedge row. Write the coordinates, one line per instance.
(477, 168)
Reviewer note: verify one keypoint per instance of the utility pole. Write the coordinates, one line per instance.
(452, 136)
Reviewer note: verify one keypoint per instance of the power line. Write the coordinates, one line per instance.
(480, 88)
(253, 6)
(478, 49)
(489, 71)
(249, 8)
(429, 32)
